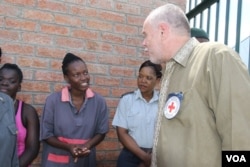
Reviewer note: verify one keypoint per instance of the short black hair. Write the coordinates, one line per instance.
(15, 68)
(156, 67)
(68, 59)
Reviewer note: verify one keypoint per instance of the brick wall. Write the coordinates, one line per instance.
(36, 34)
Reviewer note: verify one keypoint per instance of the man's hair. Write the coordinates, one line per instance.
(171, 14)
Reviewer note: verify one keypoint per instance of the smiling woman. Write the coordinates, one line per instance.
(27, 121)
(74, 120)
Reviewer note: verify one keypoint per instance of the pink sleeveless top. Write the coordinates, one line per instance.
(21, 135)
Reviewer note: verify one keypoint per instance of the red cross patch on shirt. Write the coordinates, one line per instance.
(172, 105)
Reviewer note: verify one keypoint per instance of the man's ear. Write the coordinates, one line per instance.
(164, 29)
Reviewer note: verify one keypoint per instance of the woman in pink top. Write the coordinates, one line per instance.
(27, 121)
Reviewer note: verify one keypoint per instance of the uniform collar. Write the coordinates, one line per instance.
(184, 53)
(153, 99)
(66, 94)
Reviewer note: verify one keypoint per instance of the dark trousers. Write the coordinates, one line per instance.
(128, 159)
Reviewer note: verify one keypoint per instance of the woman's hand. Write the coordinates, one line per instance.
(146, 162)
(82, 151)
(79, 151)
(74, 151)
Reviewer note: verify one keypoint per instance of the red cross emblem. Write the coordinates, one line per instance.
(172, 107)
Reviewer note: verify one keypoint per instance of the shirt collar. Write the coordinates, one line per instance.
(184, 53)
(153, 99)
(66, 94)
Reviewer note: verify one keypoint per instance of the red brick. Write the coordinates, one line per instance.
(112, 16)
(22, 2)
(132, 83)
(99, 25)
(54, 29)
(58, 86)
(48, 76)
(36, 38)
(27, 98)
(56, 65)
(135, 20)
(38, 15)
(108, 145)
(20, 24)
(85, 34)
(126, 29)
(68, 20)
(27, 73)
(51, 52)
(32, 62)
(6, 59)
(134, 41)
(84, 11)
(106, 81)
(120, 91)
(122, 71)
(35, 86)
(112, 102)
(8, 10)
(98, 46)
(69, 42)
(19, 49)
(112, 134)
(125, 50)
(77, 2)
(111, 59)
(126, 8)
(114, 38)
(9, 35)
(53, 6)
(104, 91)
(40, 98)
(104, 4)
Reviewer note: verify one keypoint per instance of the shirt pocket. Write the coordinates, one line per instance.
(12, 128)
(134, 119)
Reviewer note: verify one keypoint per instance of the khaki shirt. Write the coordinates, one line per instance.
(214, 114)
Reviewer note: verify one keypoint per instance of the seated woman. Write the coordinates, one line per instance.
(135, 118)
(27, 120)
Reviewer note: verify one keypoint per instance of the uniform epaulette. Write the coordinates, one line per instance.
(126, 94)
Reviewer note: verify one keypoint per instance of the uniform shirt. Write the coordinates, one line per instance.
(138, 116)
(61, 119)
(214, 114)
(8, 132)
